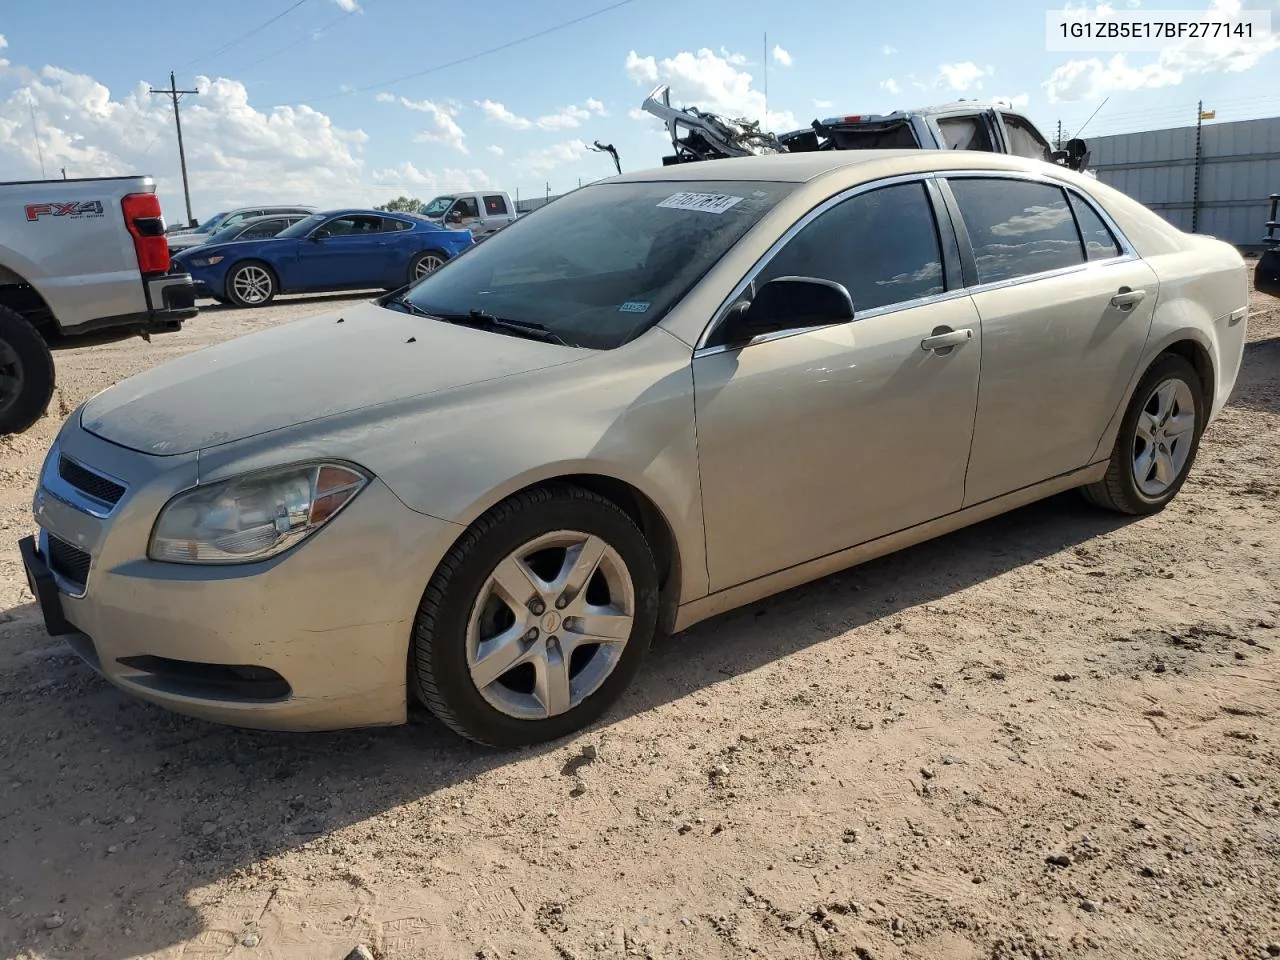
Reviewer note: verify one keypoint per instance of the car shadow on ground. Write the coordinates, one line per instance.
(221, 800)
(1258, 385)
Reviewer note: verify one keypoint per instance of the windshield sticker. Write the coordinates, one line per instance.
(716, 203)
(634, 306)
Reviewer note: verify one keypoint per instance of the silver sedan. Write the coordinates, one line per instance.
(661, 397)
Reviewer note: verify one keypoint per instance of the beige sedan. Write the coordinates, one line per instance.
(660, 397)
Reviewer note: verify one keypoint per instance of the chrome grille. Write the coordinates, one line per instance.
(88, 482)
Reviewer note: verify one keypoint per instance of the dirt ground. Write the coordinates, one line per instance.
(1055, 734)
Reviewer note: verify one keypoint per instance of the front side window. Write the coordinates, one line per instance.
(1017, 227)
(966, 133)
(604, 263)
(466, 208)
(881, 245)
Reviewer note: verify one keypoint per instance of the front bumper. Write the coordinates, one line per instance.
(314, 639)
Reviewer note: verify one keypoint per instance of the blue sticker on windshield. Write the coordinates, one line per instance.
(634, 306)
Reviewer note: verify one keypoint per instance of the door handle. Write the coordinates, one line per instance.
(946, 339)
(1127, 299)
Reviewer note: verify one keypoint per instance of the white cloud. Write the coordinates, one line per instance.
(444, 128)
(496, 150)
(782, 56)
(635, 113)
(595, 106)
(709, 82)
(3, 42)
(348, 5)
(1091, 78)
(823, 104)
(564, 119)
(496, 111)
(236, 153)
(888, 51)
(737, 59)
(554, 156)
(961, 76)
(407, 176)
(891, 85)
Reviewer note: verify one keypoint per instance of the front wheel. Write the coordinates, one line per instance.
(537, 619)
(1157, 442)
(26, 373)
(426, 262)
(251, 284)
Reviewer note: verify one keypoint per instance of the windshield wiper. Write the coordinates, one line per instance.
(410, 307)
(526, 328)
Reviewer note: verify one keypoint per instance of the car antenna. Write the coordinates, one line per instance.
(609, 149)
(1076, 135)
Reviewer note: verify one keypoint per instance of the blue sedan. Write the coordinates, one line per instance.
(336, 250)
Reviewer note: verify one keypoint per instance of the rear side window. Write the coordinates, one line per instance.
(1099, 242)
(495, 206)
(390, 225)
(263, 231)
(965, 133)
(882, 245)
(1017, 227)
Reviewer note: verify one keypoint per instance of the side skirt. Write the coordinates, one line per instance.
(714, 604)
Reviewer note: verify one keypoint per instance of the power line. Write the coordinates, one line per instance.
(310, 35)
(239, 40)
(467, 59)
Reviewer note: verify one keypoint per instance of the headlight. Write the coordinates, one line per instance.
(252, 517)
(205, 261)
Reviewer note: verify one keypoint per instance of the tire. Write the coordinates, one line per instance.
(251, 284)
(1173, 378)
(420, 266)
(462, 605)
(26, 373)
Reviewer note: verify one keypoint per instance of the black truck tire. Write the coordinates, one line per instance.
(26, 373)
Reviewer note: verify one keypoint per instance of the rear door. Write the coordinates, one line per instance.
(968, 131)
(1066, 305)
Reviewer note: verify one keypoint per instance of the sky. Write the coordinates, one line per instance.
(354, 102)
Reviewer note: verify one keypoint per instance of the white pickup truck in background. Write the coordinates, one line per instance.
(78, 257)
(482, 212)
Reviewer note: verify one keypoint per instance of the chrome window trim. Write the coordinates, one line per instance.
(51, 482)
(941, 177)
(701, 349)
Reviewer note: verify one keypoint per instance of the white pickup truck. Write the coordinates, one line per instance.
(78, 257)
(483, 212)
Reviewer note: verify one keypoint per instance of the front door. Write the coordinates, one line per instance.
(347, 251)
(815, 441)
(1065, 315)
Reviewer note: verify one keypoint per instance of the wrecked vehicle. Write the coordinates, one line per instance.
(962, 125)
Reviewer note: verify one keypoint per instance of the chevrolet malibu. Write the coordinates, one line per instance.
(661, 397)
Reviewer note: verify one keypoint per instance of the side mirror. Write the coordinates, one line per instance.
(319, 236)
(789, 303)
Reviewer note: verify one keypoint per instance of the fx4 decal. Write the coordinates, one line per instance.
(76, 210)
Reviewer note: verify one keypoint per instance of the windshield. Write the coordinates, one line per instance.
(212, 223)
(437, 207)
(604, 263)
(303, 227)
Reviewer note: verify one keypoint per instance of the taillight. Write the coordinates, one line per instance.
(146, 223)
(857, 119)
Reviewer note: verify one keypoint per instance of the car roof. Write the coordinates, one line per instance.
(803, 167)
(361, 211)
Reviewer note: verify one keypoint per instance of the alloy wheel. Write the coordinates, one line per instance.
(428, 264)
(550, 624)
(252, 284)
(1163, 437)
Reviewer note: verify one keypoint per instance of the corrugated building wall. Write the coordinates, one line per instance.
(1239, 169)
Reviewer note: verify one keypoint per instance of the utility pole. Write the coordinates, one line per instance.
(174, 94)
(764, 121)
(1195, 183)
(1059, 146)
(35, 129)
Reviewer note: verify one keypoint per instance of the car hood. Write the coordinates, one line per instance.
(322, 366)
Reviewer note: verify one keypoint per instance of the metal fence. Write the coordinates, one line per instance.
(1219, 186)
